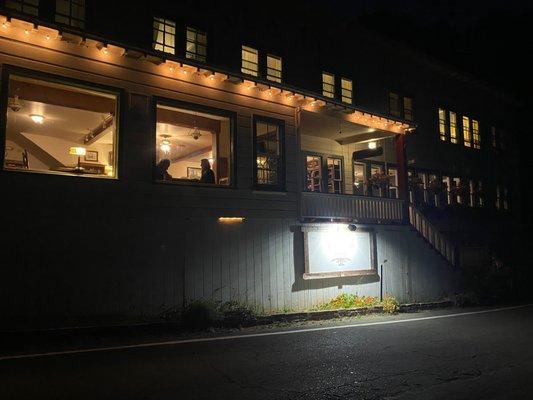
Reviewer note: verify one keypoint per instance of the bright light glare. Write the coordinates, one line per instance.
(38, 119)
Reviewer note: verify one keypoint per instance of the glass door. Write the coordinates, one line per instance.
(334, 175)
(314, 173)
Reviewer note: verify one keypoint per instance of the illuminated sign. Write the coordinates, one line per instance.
(333, 250)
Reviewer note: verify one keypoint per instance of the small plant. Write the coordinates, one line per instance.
(390, 305)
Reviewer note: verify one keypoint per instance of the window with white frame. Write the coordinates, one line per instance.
(71, 13)
(196, 46)
(313, 167)
(30, 7)
(268, 153)
(476, 138)
(164, 37)
(249, 61)
(274, 68)
(453, 127)
(334, 165)
(328, 84)
(443, 125)
(467, 134)
(346, 90)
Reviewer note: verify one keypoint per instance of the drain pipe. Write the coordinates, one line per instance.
(381, 281)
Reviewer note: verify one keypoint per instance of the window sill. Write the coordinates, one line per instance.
(186, 183)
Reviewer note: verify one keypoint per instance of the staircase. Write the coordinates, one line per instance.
(436, 239)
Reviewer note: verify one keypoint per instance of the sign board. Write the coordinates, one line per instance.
(333, 250)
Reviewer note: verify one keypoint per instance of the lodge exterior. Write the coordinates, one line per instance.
(97, 229)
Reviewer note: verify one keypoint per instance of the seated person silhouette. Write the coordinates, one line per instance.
(161, 170)
(208, 176)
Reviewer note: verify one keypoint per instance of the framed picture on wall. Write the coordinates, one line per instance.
(91, 155)
(194, 173)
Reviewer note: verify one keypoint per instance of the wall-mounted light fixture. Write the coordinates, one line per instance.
(372, 145)
(231, 220)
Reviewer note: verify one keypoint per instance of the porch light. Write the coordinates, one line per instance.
(372, 145)
(38, 119)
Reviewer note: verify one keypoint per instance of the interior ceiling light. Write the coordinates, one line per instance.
(14, 103)
(165, 144)
(37, 118)
(195, 133)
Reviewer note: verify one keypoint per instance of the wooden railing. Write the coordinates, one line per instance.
(359, 208)
(435, 238)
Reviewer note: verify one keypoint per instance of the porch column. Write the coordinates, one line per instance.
(401, 162)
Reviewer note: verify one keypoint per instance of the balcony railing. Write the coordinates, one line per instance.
(359, 208)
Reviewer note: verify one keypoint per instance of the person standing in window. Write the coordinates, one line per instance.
(162, 170)
(208, 176)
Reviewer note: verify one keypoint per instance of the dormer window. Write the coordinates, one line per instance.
(30, 7)
(328, 85)
(196, 48)
(274, 68)
(249, 61)
(164, 35)
(71, 13)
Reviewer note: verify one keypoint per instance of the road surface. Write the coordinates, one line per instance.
(430, 355)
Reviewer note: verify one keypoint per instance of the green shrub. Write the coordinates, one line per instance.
(346, 300)
(390, 305)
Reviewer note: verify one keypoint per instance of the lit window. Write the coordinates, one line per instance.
(448, 188)
(196, 47)
(274, 68)
(453, 127)
(71, 13)
(475, 134)
(334, 175)
(164, 35)
(408, 108)
(359, 179)
(268, 153)
(193, 146)
(346, 90)
(377, 182)
(442, 125)
(467, 135)
(394, 104)
(250, 61)
(328, 84)
(393, 182)
(60, 129)
(313, 166)
(458, 189)
(30, 7)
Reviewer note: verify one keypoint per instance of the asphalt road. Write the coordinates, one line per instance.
(474, 356)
